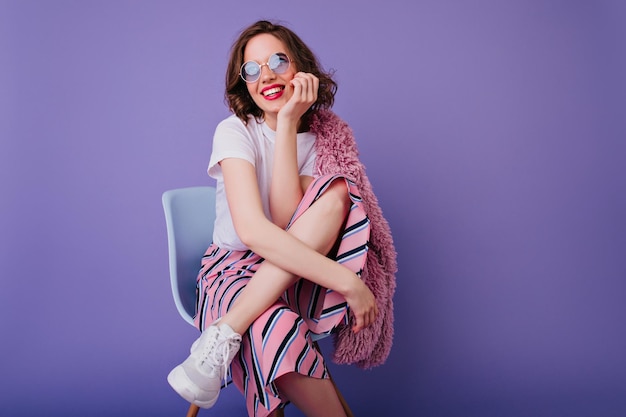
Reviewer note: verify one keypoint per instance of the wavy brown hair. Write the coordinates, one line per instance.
(237, 97)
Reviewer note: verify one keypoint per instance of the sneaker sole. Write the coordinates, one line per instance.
(181, 383)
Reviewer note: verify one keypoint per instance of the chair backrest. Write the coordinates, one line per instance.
(189, 217)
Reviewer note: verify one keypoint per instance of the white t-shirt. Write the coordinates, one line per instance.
(254, 143)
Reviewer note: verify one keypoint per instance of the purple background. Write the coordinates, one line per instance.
(494, 135)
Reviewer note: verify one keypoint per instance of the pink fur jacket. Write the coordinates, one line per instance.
(337, 153)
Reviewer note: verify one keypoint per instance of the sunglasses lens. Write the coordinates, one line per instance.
(250, 71)
(278, 63)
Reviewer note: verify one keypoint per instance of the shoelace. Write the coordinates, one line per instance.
(219, 351)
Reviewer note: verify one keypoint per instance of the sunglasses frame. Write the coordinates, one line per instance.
(267, 64)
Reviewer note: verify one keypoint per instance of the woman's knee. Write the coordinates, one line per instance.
(336, 200)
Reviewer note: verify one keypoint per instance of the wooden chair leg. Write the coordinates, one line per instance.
(280, 412)
(193, 410)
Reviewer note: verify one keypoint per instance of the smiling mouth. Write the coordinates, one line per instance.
(272, 91)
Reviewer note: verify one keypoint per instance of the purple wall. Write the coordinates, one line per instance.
(505, 120)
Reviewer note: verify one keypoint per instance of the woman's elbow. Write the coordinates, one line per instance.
(250, 232)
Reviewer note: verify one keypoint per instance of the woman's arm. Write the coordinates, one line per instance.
(287, 188)
(283, 249)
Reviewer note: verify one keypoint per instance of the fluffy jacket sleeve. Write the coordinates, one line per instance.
(337, 153)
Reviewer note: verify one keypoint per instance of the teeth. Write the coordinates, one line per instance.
(272, 91)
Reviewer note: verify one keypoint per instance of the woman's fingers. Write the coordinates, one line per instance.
(305, 87)
(367, 316)
(304, 95)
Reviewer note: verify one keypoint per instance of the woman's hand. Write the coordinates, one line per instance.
(305, 87)
(362, 304)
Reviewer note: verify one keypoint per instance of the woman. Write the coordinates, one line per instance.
(289, 245)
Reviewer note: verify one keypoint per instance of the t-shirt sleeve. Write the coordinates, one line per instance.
(230, 140)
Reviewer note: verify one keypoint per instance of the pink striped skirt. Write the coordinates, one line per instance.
(279, 341)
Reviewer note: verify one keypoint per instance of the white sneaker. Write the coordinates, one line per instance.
(199, 378)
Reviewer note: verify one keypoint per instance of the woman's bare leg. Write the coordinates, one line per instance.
(318, 227)
(279, 412)
(314, 397)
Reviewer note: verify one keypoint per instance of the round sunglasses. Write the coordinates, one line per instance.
(251, 71)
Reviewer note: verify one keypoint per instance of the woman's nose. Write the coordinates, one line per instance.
(267, 73)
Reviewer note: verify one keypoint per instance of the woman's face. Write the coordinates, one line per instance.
(271, 91)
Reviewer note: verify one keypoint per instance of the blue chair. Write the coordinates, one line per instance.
(189, 218)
